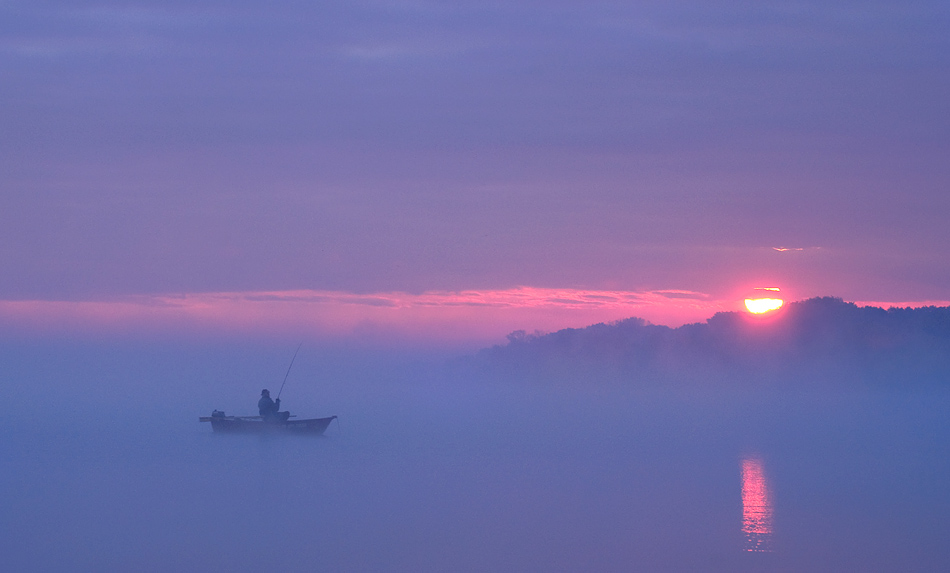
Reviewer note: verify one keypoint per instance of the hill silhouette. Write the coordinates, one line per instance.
(815, 341)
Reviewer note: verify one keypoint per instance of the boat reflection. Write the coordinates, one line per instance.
(756, 506)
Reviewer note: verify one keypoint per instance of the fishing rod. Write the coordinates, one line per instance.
(288, 370)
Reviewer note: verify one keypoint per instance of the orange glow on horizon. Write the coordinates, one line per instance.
(763, 305)
(479, 316)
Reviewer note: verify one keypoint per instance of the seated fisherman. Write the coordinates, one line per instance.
(269, 408)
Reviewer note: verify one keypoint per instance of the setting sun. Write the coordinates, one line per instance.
(763, 305)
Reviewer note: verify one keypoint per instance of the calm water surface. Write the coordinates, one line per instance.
(433, 476)
(757, 506)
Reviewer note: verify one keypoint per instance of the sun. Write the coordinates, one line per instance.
(767, 303)
(763, 305)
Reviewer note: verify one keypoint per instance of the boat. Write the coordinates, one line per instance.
(256, 425)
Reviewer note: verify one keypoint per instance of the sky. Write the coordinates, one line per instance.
(453, 171)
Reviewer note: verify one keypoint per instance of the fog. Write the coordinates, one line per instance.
(106, 467)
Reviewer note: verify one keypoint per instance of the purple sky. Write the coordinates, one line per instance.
(154, 148)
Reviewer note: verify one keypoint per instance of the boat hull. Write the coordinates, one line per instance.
(233, 425)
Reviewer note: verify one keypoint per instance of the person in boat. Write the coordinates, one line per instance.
(268, 408)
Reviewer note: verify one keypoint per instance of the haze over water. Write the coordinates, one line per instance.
(188, 190)
(425, 472)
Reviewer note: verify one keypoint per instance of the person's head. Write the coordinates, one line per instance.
(265, 392)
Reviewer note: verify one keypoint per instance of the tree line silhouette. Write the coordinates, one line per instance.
(811, 342)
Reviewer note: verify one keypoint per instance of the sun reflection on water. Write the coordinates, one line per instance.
(756, 506)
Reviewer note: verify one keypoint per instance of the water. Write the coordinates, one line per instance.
(757, 506)
(427, 474)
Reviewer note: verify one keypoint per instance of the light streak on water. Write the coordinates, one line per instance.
(757, 513)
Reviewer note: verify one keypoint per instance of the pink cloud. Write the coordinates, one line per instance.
(442, 317)
(904, 304)
(452, 317)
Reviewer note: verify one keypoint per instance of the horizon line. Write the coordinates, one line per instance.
(471, 315)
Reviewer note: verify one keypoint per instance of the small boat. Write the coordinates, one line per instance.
(256, 425)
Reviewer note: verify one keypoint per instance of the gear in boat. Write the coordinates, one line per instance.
(221, 422)
(271, 419)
